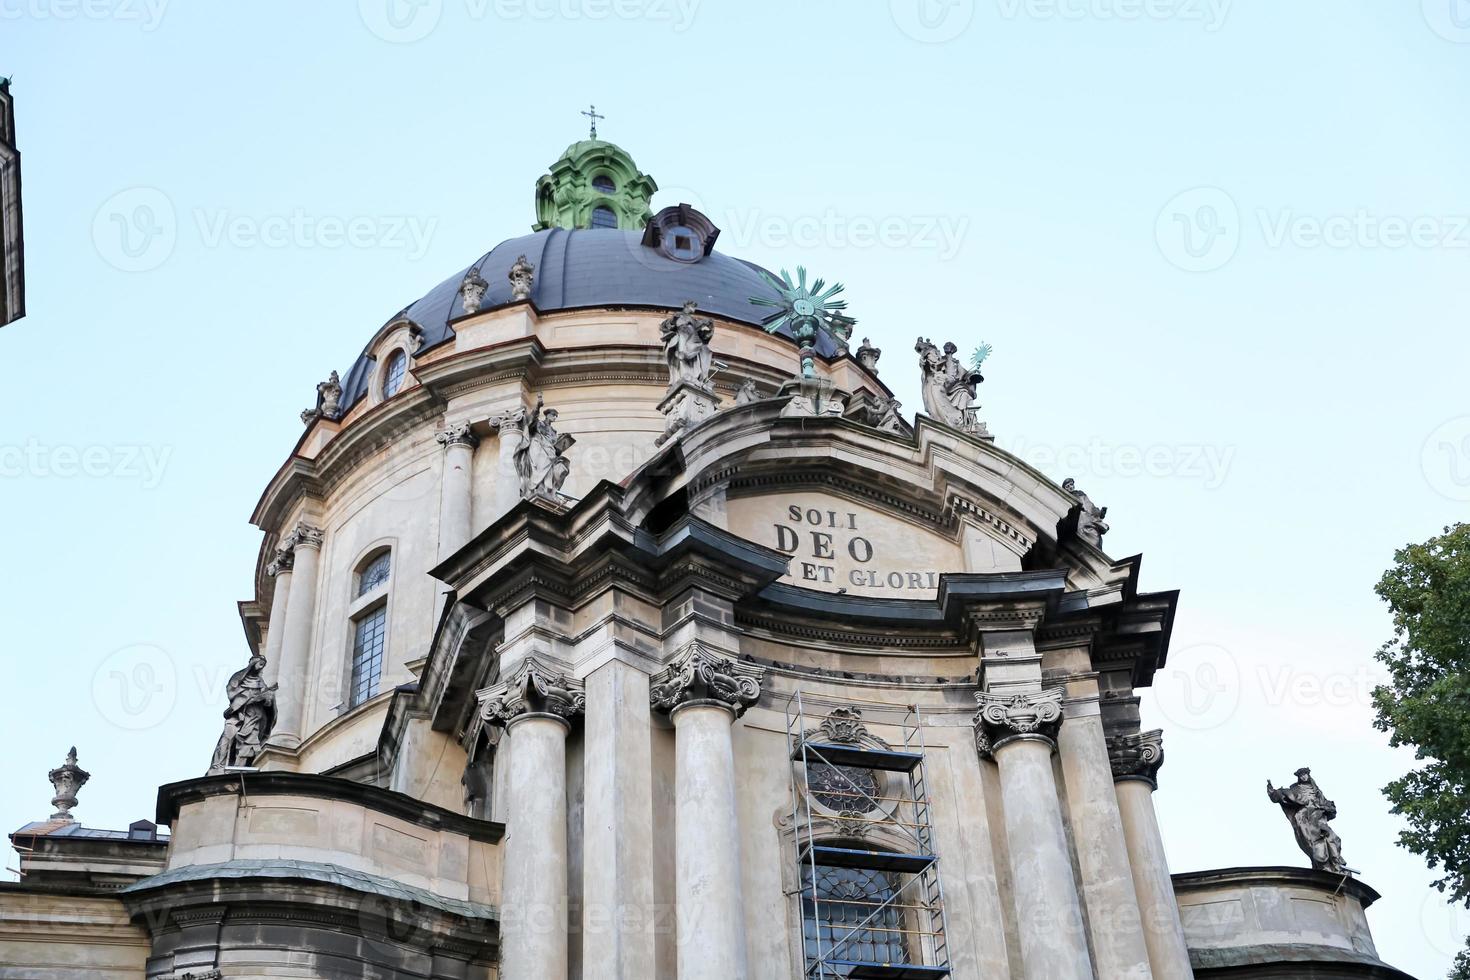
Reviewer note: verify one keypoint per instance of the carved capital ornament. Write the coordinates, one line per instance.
(698, 676)
(534, 688)
(458, 434)
(1137, 756)
(1003, 718)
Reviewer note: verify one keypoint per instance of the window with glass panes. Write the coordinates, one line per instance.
(369, 637)
(846, 898)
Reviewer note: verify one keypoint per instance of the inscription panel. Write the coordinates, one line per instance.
(837, 545)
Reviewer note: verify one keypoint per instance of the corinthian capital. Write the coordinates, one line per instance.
(1137, 756)
(696, 675)
(533, 688)
(1003, 717)
(458, 434)
(304, 535)
(282, 561)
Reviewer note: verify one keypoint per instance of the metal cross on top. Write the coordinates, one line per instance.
(591, 113)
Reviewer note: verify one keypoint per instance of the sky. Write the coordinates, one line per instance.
(1220, 249)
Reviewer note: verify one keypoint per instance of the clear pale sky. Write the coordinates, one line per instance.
(1221, 249)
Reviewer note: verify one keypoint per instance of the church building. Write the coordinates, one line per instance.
(611, 621)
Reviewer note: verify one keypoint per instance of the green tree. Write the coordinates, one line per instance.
(1426, 704)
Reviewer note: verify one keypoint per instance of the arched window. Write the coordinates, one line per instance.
(846, 898)
(369, 627)
(603, 184)
(393, 373)
(603, 217)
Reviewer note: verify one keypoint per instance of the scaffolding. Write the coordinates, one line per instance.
(901, 935)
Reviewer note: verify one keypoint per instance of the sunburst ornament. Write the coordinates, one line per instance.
(805, 309)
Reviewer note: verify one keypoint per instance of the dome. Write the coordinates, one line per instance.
(581, 268)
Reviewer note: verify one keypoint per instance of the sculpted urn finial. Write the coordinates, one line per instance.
(867, 355)
(472, 290)
(522, 277)
(1308, 809)
(66, 780)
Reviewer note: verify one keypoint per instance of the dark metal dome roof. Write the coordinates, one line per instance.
(582, 268)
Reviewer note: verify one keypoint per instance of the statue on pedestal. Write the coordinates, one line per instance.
(686, 340)
(1088, 516)
(540, 458)
(1309, 809)
(249, 718)
(948, 386)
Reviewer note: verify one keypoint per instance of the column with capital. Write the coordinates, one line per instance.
(456, 488)
(295, 649)
(1018, 730)
(536, 707)
(1136, 759)
(703, 693)
(510, 429)
(279, 568)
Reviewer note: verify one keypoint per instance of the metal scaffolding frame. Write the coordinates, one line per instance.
(918, 898)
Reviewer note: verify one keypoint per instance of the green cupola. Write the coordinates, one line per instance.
(594, 184)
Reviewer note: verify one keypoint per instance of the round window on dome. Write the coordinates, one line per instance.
(603, 217)
(393, 373)
(603, 184)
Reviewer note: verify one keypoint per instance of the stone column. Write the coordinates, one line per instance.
(507, 479)
(295, 651)
(1135, 762)
(704, 694)
(1102, 853)
(536, 707)
(456, 488)
(1017, 731)
(279, 569)
(618, 914)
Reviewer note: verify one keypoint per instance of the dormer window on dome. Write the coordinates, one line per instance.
(681, 233)
(393, 373)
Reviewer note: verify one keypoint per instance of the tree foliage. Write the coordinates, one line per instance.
(1426, 704)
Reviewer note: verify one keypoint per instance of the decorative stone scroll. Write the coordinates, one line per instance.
(1137, 756)
(696, 675)
(1005, 717)
(458, 434)
(66, 780)
(844, 726)
(533, 687)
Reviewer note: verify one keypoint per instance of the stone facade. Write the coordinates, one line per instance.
(551, 734)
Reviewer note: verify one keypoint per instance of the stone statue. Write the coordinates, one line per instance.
(747, 393)
(540, 458)
(66, 780)
(1090, 526)
(249, 718)
(472, 289)
(686, 340)
(948, 386)
(884, 415)
(867, 356)
(522, 276)
(331, 394)
(1309, 809)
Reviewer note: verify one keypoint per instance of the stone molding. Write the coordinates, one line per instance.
(698, 676)
(1003, 718)
(1137, 756)
(457, 434)
(534, 688)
